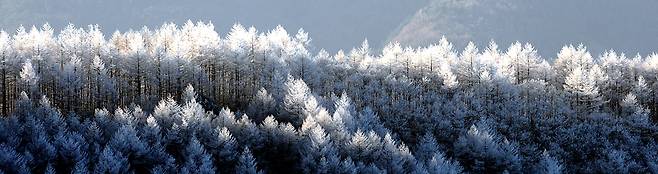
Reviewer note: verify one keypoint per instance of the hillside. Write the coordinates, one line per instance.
(185, 99)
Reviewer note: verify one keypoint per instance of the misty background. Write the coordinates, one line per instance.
(627, 26)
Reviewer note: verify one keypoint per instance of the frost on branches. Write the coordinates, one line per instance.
(185, 99)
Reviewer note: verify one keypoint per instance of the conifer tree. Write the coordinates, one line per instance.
(247, 163)
(584, 93)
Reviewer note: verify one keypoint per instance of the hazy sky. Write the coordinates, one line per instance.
(630, 25)
(331, 24)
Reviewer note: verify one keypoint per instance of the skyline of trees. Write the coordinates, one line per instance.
(186, 99)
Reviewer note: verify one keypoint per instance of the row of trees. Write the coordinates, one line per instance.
(185, 138)
(470, 110)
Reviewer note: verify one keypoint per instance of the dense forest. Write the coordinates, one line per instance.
(185, 99)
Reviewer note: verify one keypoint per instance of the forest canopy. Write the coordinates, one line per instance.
(185, 99)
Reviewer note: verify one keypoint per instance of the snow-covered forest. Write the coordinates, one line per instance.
(185, 99)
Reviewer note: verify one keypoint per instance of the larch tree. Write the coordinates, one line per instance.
(246, 163)
(548, 164)
(359, 54)
(391, 55)
(467, 68)
(297, 94)
(569, 59)
(71, 83)
(29, 78)
(583, 92)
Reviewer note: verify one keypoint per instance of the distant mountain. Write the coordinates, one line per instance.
(628, 26)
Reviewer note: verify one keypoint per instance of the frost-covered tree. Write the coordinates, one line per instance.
(358, 55)
(642, 91)
(71, 83)
(569, 59)
(481, 150)
(197, 160)
(391, 56)
(297, 95)
(262, 105)
(247, 163)
(12, 161)
(632, 109)
(438, 164)
(583, 92)
(468, 66)
(426, 147)
(29, 77)
(110, 161)
(548, 165)
(520, 62)
(226, 148)
(126, 142)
